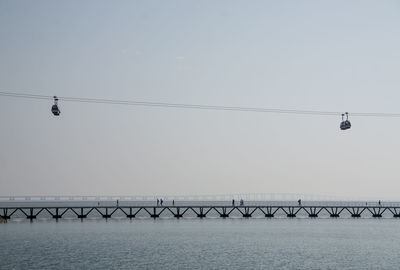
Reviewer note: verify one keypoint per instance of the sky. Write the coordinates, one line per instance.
(308, 55)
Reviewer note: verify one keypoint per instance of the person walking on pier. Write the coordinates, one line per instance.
(117, 203)
(379, 202)
(158, 202)
(233, 202)
(173, 202)
(299, 201)
(161, 202)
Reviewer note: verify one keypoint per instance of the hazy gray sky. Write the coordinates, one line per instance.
(317, 55)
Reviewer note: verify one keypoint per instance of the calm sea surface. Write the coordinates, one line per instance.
(233, 243)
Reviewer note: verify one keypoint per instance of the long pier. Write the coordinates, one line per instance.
(198, 211)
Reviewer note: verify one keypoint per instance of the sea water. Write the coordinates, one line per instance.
(210, 243)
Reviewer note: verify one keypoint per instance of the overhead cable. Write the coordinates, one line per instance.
(193, 106)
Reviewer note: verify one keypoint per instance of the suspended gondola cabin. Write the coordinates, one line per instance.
(54, 109)
(345, 124)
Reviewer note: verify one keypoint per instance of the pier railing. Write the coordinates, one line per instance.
(221, 197)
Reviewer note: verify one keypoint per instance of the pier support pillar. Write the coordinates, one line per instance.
(355, 215)
(31, 215)
(201, 215)
(57, 215)
(313, 215)
(291, 215)
(377, 215)
(5, 215)
(154, 215)
(82, 215)
(130, 215)
(178, 213)
(269, 215)
(106, 215)
(334, 215)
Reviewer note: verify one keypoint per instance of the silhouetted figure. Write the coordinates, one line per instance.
(117, 203)
(299, 201)
(366, 203)
(98, 203)
(161, 202)
(173, 202)
(233, 202)
(241, 202)
(158, 202)
(379, 202)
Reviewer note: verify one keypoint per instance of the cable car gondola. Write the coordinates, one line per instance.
(54, 109)
(345, 124)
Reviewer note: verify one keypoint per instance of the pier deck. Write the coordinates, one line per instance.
(198, 211)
